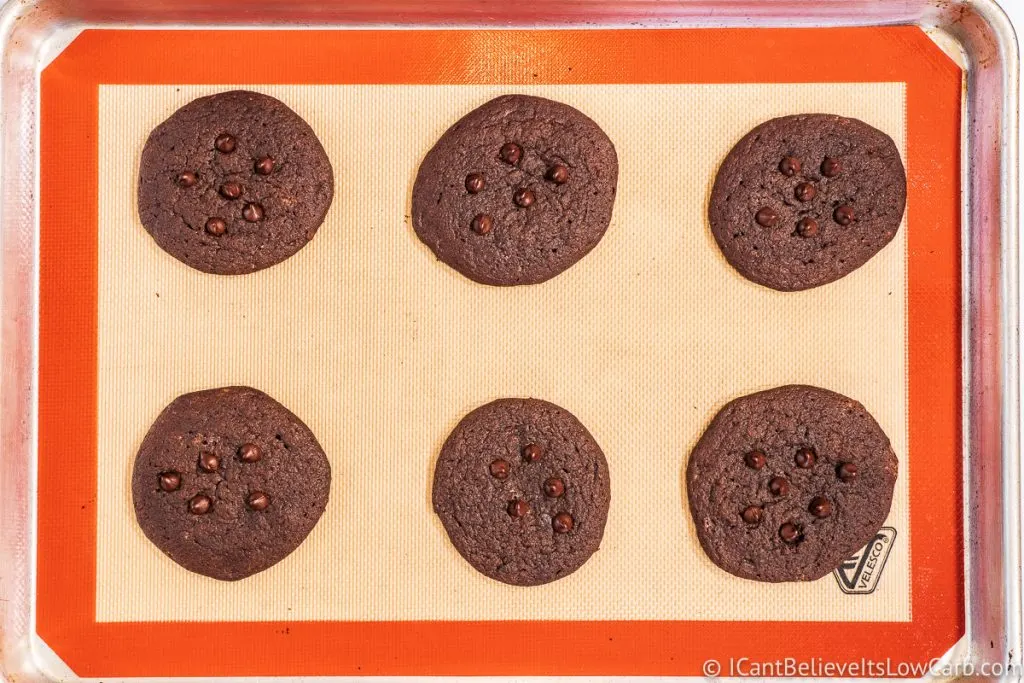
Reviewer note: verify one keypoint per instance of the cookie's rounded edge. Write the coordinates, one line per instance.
(223, 572)
(423, 178)
(168, 246)
(718, 189)
(694, 471)
(603, 492)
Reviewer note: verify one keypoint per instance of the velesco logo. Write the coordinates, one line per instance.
(860, 573)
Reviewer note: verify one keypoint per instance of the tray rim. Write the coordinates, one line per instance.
(989, 251)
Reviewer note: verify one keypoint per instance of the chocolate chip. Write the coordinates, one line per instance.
(511, 153)
(209, 462)
(523, 197)
(252, 213)
(789, 533)
(558, 174)
(830, 167)
(755, 459)
(518, 508)
(249, 452)
(805, 192)
(199, 504)
(844, 215)
(820, 507)
(499, 469)
(846, 471)
(474, 183)
(778, 486)
(554, 487)
(482, 224)
(752, 515)
(264, 166)
(186, 179)
(805, 458)
(766, 217)
(169, 481)
(562, 523)
(807, 227)
(258, 501)
(225, 143)
(231, 190)
(789, 166)
(216, 226)
(532, 453)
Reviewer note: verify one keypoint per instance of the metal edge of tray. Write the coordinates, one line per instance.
(991, 429)
(989, 168)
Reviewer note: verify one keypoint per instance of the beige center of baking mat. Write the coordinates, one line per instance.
(381, 349)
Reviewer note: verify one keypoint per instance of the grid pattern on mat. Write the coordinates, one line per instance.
(381, 350)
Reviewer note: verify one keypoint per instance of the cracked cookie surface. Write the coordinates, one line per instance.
(786, 484)
(228, 482)
(522, 489)
(516, 191)
(804, 200)
(233, 183)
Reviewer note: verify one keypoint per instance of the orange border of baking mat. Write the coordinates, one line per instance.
(68, 347)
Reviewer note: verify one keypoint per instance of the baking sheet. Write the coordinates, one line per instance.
(381, 350)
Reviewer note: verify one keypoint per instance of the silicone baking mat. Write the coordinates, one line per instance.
(381, 349)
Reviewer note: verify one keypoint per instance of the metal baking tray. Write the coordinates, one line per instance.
(975, 32)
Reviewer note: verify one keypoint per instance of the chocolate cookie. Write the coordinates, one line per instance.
(522, 489)
(803, 200)
(786, 484)
(233, 183)
(517, 191)
(228, 482)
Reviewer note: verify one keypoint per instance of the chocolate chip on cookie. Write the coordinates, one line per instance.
(233, 183)
(224, 516)
(554, 487)
(522, 489)
(804, 200)
(170, 481)
(823, 490)
(517, 191)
